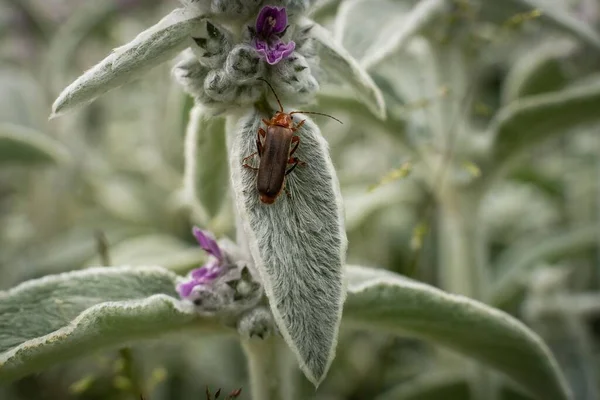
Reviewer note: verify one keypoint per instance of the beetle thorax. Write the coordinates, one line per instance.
(282, 119)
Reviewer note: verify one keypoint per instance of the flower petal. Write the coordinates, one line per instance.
(207, 242)
(185, 288)
(279, 51)
(271, 20)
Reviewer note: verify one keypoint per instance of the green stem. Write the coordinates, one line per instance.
(462, 244)
(463, 265)
(264, 359)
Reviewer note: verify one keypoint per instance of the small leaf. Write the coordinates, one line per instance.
(337, 61)
(60, 317)
(205, 178)
(527, 122)
(516, 263)
(401, 29)
(379, 299)
(25, 146)
(126, 63)
(298, 243)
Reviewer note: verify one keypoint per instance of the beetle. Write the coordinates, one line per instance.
(276, 150)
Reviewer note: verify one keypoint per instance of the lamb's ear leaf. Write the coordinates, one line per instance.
(442, 385)
(398, 32)
(25, 146)
(516, 263)
(205, 160)
(529, 121)
(298, 243)
(59, 317)
(537, 72)
(382, 300)
(550, 14)
(150, 48)
(337, 61)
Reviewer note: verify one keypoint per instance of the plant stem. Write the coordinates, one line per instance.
(463, 263)
(462, 245)
(264, 368)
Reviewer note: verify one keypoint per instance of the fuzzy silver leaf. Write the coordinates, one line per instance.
(298, 243)
(126, 63)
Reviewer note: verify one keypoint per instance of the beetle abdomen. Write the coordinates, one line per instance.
(273, 162)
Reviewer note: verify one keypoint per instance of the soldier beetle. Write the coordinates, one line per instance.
(275, 151)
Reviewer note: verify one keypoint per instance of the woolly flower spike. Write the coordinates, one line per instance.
(208, 272)
(271, 25)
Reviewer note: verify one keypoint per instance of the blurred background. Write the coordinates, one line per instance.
(112, 173)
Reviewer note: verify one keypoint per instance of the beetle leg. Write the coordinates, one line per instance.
(245, 161)
(298, 125)
(259, 146)
(266, 122)
(291, 168)
(287, 192)
(296, 141)
(295, 160)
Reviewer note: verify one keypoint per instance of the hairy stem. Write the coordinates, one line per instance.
(266, 382)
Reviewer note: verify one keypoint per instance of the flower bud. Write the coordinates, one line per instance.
(292, 78)
(257, 322)
(212, 46)
(219, 86)
(244, 64)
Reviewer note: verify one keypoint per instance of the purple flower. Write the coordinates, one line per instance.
(271, 25)
(208, 272)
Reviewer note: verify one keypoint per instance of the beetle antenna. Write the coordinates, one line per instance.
(318, 113)
(273, 90)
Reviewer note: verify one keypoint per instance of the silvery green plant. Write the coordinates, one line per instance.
(286, 275)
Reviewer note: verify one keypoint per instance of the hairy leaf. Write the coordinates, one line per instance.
(205, 178)
(298, 243)
(336, 61)
(163, 250)
(537, 72)
(59, 317)
(401, 29)
(25, 146)
(150, 48)
(527, 122)
(516, 263)
(557, 17)
(378, 299)
(441, 385)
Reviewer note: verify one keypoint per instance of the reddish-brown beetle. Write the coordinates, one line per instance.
(274, 151)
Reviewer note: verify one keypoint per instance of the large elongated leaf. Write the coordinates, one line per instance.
(517, 262)
(48, 320)
(401, 29)
(205, 178)
(558, 17)
(164, 250)
(441, 385)
(338, 62)
(298, 243)
(539, 71)
(150, 48)
(379, 299)
(20, 145)
(527, 122)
